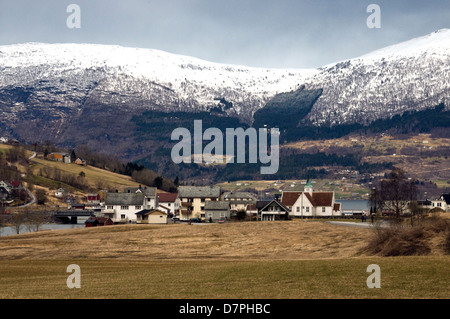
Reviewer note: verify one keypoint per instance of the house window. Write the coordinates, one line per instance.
(122, 216)
(298, 209)
(109, 207)
(138, 207)
(202, 207)
(307, 209)
(202, 200)
(323, 209)
(124, 207)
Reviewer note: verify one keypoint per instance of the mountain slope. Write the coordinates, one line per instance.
(75, 94)
(410, 76)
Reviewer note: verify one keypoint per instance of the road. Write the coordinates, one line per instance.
(367, 224)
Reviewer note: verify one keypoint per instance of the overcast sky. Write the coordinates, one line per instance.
(263, 33)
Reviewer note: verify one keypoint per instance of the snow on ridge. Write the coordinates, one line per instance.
(150, 64)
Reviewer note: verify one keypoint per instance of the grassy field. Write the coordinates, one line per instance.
(95, 177)
(401, 277)
(254, 260)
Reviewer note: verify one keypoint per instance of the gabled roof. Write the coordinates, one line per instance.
(216, 205)
(150, 212)
(276, 202)
(262, 203)
(289, 198)
(237, 196)
(322, 198)
(446, 197)
(316, 199)
(198, 191)
(147, 191)
(124, 199)
(167, 197)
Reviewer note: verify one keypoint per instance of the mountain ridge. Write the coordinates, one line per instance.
(74, 94)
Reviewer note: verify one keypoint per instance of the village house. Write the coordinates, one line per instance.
(80, 161)
(60, 192)
(5, 190)
(193, 199)
(151, 216)
(98, 221)
(310, 203)
(238, 200)
(150, 199)
(122, 207)
(217, 210)
(169, 202)
(93, 198)
(60, 157)
(272, 210)
(443, 202)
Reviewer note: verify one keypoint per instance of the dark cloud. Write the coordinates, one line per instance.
(268, 33)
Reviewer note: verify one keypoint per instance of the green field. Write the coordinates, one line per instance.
(401, 277)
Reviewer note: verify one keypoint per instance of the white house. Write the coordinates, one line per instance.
(122, 207)
(150, 199)
(169, 202)
(311, 204)
(443, 202)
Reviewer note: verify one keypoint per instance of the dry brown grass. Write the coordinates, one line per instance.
(296, 259)
(246, 240)
(431, 236)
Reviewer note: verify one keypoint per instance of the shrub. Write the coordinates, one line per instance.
(402, 240)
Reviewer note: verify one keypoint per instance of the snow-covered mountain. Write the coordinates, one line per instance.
(409, 76)
(45, 89)
(70, 75)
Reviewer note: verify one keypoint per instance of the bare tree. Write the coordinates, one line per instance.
(34, 220)
(395, 193)
(17, 220)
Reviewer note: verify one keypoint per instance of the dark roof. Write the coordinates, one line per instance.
(147, 191)
(238, 196)
(289, 198)
(262, 203)
(322, 198)
(216, 205)
(278, 203)
(100, 220)
(446, 197)
(198, 191)
(150, 211)
(124, 199)
(167, 197)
